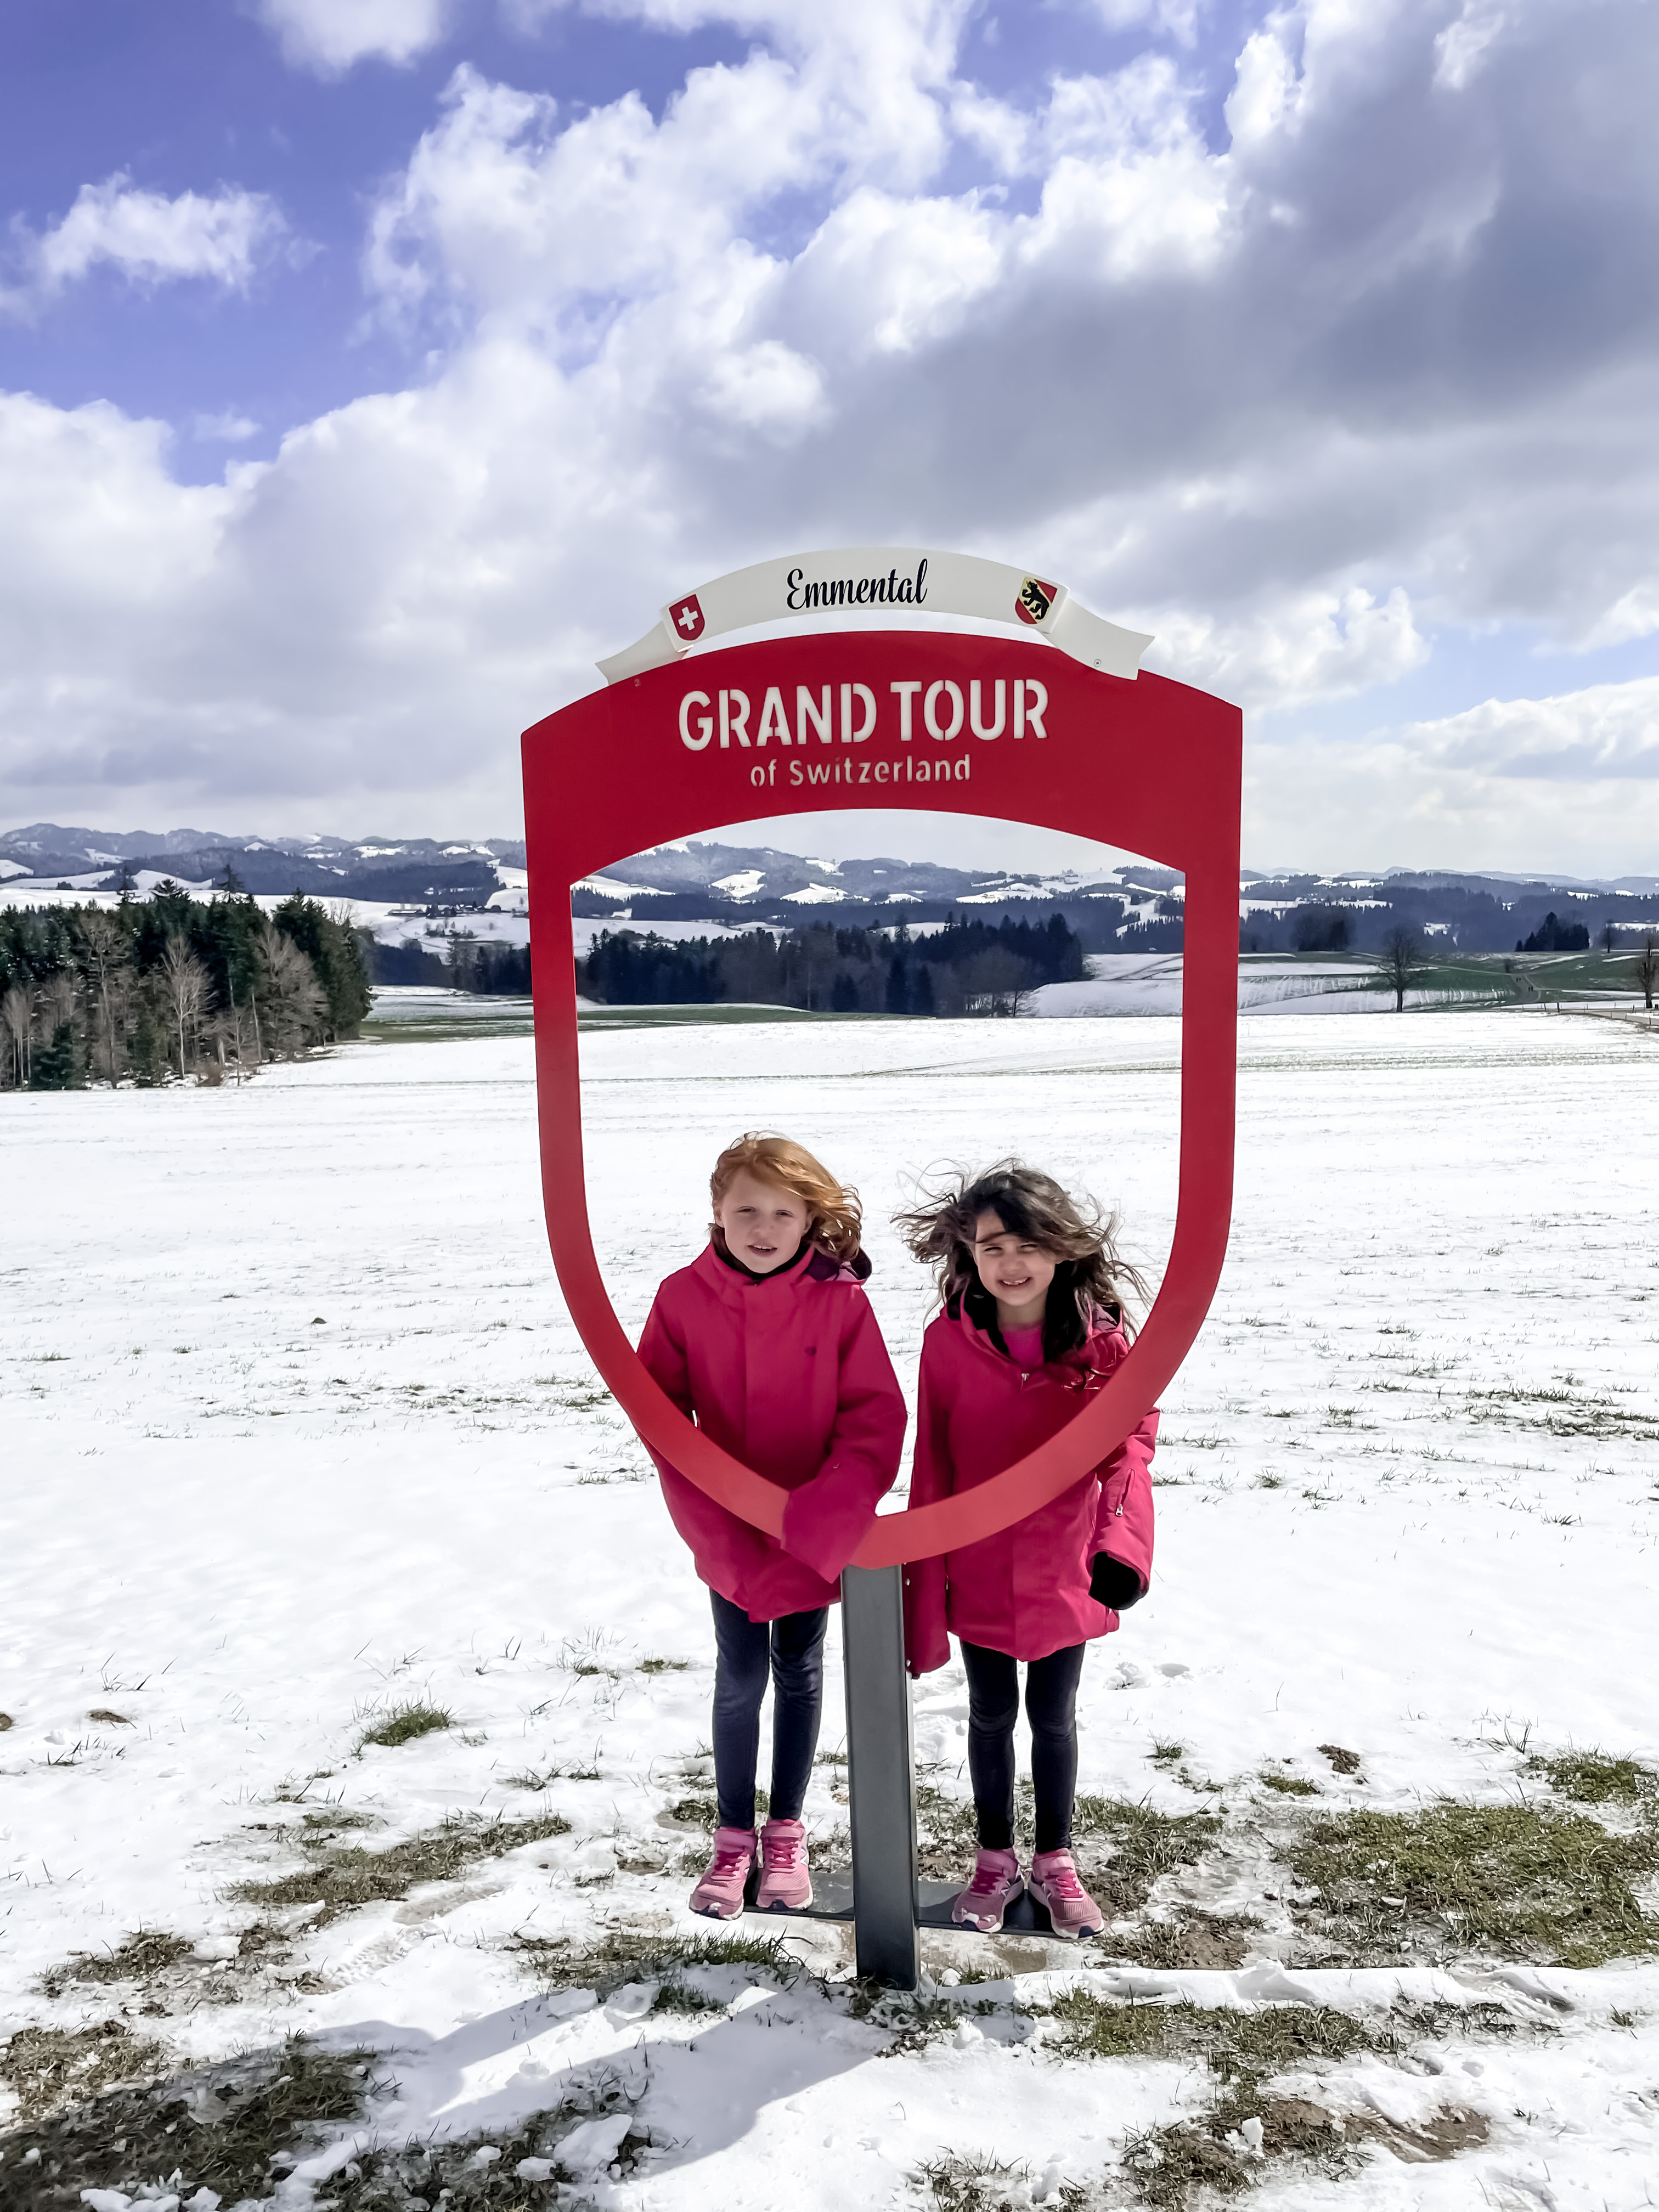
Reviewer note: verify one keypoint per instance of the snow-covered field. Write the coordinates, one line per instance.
(296, 1431)
(1135, 984)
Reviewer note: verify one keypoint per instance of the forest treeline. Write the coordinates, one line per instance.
(963, 968)
(169, 988)
(465, 963)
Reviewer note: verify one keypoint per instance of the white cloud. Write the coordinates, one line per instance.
(1570, 783)
(1178, 18)
(1608, 732)
(329, 35)
(150, 239)
(227, 428)
(1293, 401)
(1266, 85)
(1319, 644)
(1459, 48)
(1635, 613)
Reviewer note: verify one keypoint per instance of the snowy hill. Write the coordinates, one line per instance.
(1125, 907)
(379, 868)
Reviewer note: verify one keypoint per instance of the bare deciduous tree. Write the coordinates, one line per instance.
(188, 991)
(107, 950)
(1399, 964)
(1646, 964)
(993, 981)
(294, 1004)
(17, 1017)
(59, 1001)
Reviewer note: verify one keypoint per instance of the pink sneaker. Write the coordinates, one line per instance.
(719, 1895)
(785, 1883)
(1072, 1912)
(995, 1885)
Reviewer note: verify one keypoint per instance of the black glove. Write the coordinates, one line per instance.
(1111, 1584)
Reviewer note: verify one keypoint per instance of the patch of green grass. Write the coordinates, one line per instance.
(1342, 1761)
(402, 1723)
(1519, 1881)
(947, 1832)
(1245, 2133)
(1200, 1942)
(1290, 1785)
(623, 1955)
(1597, 1778)
(527, 1777)
(233, 2128)
(973, 2181)
(703, 1811)
(681, 1996)
(145, 1953)
(1436, 2022)
(49, 2068)
(342, 1878)
(665, 1666)
(1230, 2042)
(452, 2173)
(914, 2021)
(1164, 2166)
(1168, 2167)
(695, 1812)
(1167, 1755)
(1144, 1845)
(595, 1651)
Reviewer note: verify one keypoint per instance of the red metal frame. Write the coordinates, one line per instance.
(1149, 765)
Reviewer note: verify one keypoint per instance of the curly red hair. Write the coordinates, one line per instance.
(835, 1218)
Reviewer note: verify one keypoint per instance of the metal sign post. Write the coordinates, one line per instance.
(1049, 724)
(881, 1775)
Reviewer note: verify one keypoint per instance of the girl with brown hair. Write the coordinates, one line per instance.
(1033, 1323)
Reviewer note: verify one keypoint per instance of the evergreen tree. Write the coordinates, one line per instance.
(57, 1065)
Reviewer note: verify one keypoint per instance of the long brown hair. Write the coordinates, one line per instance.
(1090, 1275)
(835, 1218)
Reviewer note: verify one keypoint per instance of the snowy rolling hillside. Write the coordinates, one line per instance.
(298, 1441)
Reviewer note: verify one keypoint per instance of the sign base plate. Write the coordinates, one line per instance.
(833, 1901)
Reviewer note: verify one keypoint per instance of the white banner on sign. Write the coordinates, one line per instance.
(871, 577)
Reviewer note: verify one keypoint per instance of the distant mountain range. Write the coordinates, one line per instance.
(1130, 907)
(422, 870)
(756, 879)
(415, 870)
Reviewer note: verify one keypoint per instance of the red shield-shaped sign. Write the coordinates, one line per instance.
(942, 722)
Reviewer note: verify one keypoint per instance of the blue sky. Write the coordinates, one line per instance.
(368, 366)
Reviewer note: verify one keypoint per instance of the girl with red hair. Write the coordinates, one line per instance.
(767, 1342)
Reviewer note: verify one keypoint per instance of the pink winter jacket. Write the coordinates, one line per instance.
(1026, 1590)
(790, 1375)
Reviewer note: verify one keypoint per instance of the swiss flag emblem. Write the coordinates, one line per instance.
(685, 618)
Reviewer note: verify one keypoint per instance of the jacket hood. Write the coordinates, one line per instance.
(974, 1312)
(810, 1264)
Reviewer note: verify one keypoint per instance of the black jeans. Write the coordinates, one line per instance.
(791, 1651)
(1051, 1708)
